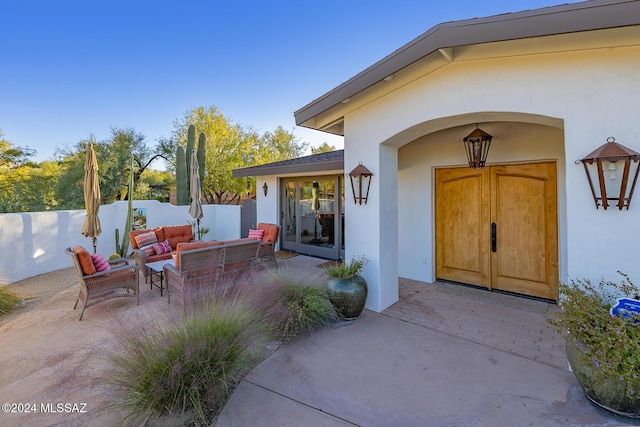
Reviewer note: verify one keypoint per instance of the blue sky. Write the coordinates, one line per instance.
(69, 69)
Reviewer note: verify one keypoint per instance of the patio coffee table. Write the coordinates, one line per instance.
(157, 269)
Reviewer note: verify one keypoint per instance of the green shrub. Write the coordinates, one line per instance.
(191, 365)
(293, 303)
(610, 345)
(8, 299)
(347, 269)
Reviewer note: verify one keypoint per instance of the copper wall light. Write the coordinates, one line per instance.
(265, 188)
(477, 145)
(611, 166)
(360, 183)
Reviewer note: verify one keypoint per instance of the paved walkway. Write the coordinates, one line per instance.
(508, 323)
(444, 355)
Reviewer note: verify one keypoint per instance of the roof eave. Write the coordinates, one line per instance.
(282, 170)
(563, 19)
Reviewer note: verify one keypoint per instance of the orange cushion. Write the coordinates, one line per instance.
(178, 234)
(270, 232)
(184, 246)
(86, 263)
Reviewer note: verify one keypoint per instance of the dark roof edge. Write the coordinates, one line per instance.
(567, 18)
(333, 160)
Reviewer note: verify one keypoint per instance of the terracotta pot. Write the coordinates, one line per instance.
(610, 394)
(348, 295)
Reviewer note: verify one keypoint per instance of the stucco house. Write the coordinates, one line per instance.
(549, 85)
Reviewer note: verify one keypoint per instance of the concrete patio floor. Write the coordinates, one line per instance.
(443, 355)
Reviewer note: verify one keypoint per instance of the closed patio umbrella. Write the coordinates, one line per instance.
(195, 210)
(91, 227)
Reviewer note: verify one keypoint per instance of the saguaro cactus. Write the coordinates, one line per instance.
(121, 248)
(183, 164)
(182, 192)
(202, 151)
(191, 144)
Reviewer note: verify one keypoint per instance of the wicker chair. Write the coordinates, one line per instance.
(119, 281)
(267, 253)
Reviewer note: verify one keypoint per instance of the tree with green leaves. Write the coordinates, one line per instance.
(29, 188)
(113, 157)
(232, 146)
(12, 156)
(322, 148)
(24, 185)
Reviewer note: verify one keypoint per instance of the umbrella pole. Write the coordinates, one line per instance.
(198, 222)
(93, 239)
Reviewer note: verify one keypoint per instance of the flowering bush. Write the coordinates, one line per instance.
(607, 346)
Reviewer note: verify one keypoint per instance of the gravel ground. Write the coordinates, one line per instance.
(37, 289)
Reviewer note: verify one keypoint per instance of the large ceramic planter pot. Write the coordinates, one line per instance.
(611, 394)
(348, 295)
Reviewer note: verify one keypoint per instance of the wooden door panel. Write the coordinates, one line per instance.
(461, 238)
(522, 201)
(524, 209)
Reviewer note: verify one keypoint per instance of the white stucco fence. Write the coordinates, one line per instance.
(33, 243)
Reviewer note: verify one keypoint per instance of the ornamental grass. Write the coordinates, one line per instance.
(293, 303)
(189, 367)
(8, 299)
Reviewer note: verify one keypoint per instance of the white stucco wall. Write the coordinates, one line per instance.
(34, 243)
(267, 208)
(588, 95)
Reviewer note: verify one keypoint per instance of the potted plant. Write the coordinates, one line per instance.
(347, 290)
(603, 348)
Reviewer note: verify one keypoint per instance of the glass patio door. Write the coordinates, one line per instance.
(312, 216)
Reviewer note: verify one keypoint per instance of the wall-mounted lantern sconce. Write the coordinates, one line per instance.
(611, 166)
(477, 145)
(265, 188)
(360, 183)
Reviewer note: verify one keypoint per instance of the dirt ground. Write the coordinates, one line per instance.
(34, 290)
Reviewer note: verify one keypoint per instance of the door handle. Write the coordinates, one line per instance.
(494, 240)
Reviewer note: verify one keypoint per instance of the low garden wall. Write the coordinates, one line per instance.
(33, 243)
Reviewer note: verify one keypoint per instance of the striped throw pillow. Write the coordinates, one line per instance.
(146, 241)
(100, 263)
(256, 234)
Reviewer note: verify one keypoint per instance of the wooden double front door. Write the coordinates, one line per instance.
(497, 228)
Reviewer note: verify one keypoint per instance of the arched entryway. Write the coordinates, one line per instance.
(521, 139)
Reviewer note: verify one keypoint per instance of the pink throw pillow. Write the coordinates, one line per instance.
(162, 247)
(256, 234)
(100, 263)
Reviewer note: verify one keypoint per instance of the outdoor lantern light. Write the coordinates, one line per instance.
(611, 166)
(476, 145)
(360, 183)
(265, 188)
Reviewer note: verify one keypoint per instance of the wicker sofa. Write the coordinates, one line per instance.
(174, 234)
(201, 266)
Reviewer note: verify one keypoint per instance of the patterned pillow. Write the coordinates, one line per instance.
(146, 241)
(162, 247)
(256, 234)
(100, 263)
